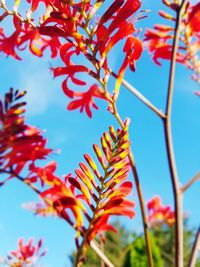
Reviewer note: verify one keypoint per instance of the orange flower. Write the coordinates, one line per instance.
(57, 195)
(159, 46)
(159, 214)
(26, 254)
(160, 39)
(133, 50)
(69, 22)
(85, 100)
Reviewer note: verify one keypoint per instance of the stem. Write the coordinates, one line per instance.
(141, 97)
(167, 257)
(23, 180)
(140, 195)
(190, 182)
(15, 13)
(92, 244)
(195, 250)
(100, 253)
(170, 150)
(142, 207)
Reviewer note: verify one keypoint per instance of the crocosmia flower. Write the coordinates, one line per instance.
(159, 214)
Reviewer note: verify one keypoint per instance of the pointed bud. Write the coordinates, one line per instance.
(98, 152)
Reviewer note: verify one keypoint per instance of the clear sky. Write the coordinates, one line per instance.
(74, 134)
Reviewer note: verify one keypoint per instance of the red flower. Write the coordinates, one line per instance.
(26, 254)
(133, 51)
(53, 44)
(160, 38)
(83, 195)
(35, 3)
(159, 214)
(194, 19)
(8, 44)
(84, 100)
(159, 46)
(69, 22)
(57, 194)
(20, 144)
(119, 13)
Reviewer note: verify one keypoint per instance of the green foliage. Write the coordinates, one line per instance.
(115, 247)
(136, 256)
(127, 249)
(164, 237)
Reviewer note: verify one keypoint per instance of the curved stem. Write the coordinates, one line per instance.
(140, 195)
(170, 150)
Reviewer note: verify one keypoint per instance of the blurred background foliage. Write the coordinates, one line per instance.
(127, 249)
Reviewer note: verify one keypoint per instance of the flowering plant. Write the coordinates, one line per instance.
(83, 35)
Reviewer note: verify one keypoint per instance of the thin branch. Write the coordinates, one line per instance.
(140, 195)
(170, 149)
(190, 182)
(92, 244)
(141, 97)
(167, 257)
(21, 179)
(195, 250)
(100, 253)
(15, 13)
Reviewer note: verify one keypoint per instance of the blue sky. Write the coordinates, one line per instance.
(74, 134)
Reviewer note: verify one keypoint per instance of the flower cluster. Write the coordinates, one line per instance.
(92, 195)
(26, 255)
(88, 199)
(160, 38)
(67, 28)
(20, 143)
(158, 213)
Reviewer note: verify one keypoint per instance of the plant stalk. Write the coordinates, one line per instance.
(170, 149)
(195, 250)
(190, 182)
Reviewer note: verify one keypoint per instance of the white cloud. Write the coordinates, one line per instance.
(41, 90)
